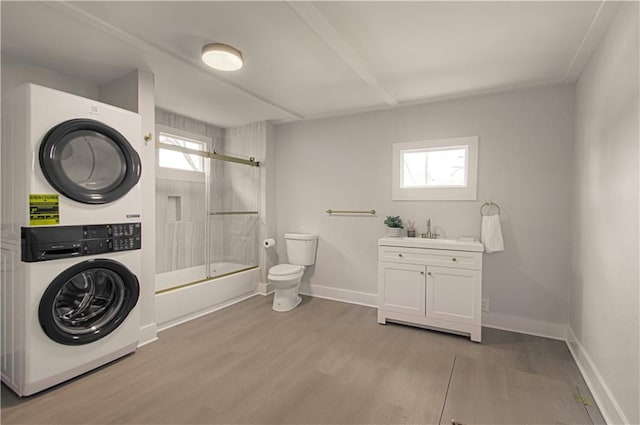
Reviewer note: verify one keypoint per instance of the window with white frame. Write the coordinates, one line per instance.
(179, 163)
(443, 169)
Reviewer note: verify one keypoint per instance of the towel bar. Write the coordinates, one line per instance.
(330, 211)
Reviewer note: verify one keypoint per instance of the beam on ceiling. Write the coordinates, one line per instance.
(327, 33)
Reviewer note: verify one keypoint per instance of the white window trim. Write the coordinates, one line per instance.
(441, 193)
(175, 174)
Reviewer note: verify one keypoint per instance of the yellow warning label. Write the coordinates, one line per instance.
(44, 209)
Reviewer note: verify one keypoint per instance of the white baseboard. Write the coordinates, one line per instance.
(491, 320)
(337, 294)
(607, 403)
(148, 334)
(525, 326)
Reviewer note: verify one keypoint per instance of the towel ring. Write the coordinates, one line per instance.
(485, 209)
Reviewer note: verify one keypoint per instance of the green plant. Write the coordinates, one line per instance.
(392, 221)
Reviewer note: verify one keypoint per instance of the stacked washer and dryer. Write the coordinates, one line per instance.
(71, 236)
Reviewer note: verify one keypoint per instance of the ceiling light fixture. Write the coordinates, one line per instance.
(222, 57)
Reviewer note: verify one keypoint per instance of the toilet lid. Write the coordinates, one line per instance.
(285, 269)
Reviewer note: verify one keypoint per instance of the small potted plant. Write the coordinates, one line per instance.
(394, 224)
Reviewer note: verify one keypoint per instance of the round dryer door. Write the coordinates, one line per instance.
(88, 301)
(89, 162)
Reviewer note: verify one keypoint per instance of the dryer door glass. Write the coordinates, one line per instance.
(89, 161)
(88, 301)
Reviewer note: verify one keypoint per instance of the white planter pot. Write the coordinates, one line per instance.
(393, 232)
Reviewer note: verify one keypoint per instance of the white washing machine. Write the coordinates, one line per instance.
(70, 303)
(71, 236)
(67, 160)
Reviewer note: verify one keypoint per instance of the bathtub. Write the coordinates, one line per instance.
(183, 295)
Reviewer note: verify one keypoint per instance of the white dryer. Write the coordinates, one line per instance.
(71, 236)
(70, 303)
(68, 160)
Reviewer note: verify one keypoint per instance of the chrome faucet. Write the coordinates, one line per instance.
(429, 234)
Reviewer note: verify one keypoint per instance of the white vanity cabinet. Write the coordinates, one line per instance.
(433, 283)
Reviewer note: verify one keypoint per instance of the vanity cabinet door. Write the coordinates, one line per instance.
(453, 294)
(401, 288)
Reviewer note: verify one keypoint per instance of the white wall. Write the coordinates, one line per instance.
(16, 72)
(604, 319)
(146, 109)
(525, 165)
(122, 92)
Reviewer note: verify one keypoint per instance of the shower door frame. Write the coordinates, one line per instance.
(207, 155)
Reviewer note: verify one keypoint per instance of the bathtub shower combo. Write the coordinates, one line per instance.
(206, 227)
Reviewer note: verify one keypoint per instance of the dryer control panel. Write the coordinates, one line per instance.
(52, 243)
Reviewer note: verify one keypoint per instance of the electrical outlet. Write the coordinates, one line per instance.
(486, 305)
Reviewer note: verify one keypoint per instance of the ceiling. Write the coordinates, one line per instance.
(310, 59)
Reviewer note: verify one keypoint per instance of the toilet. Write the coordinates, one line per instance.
(286, 278)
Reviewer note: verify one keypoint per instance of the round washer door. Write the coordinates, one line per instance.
(88, 301)
(89, 162)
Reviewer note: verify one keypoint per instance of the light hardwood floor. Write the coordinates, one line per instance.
(325, 362)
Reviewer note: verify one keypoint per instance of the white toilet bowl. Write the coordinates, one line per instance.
(285, 279)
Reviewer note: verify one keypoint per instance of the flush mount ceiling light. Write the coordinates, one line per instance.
(222, 57)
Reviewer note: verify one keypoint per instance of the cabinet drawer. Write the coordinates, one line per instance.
(434, 257)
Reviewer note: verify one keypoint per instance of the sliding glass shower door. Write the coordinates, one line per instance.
(233, 218)
(206, 213)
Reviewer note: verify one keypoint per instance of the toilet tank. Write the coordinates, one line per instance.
(301, 248)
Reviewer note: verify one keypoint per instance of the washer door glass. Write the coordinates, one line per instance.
(89, 162)
(88, 301)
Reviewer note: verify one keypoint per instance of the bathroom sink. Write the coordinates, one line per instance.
(448, 244)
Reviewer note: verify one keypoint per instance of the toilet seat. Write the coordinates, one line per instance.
(285, 269)
(286, 272)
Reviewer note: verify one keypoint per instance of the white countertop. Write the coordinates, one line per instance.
(448, 244)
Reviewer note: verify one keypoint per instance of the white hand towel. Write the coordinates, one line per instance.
(492, 234)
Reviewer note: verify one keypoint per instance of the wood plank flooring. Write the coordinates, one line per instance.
(325, 362)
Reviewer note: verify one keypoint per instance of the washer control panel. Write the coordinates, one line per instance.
(52, 243)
